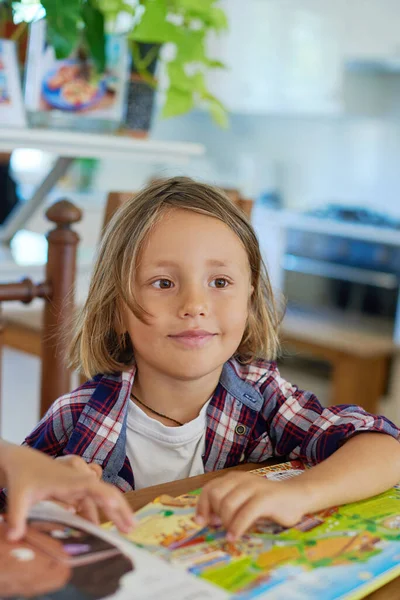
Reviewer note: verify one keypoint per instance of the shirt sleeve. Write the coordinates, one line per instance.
(295, 424)
(52, 433)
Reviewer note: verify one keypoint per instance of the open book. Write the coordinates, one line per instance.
(341, 553)
(64, 557)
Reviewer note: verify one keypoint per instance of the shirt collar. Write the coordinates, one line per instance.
(242, 390)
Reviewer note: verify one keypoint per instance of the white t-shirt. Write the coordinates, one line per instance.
(158, 453)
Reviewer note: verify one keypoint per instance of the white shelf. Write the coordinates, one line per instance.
(78, 144)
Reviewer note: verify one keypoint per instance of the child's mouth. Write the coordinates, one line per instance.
(194, 338)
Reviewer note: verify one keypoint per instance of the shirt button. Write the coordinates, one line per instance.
(240, 429)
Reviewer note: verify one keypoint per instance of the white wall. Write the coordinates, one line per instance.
(346, 159)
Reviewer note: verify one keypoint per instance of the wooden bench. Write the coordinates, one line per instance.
(359, 358)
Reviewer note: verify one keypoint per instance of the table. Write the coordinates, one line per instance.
(136, 500)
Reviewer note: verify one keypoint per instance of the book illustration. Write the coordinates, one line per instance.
(54, 558)
(12, 111)
(332, 554)
(66, 87)
(166, 523)
(64, 557)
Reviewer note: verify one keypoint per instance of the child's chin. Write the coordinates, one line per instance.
(195, 368)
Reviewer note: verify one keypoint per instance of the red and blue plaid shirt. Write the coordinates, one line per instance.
(253, 415)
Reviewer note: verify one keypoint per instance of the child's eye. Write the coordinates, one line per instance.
(220, 282)
(162, 284)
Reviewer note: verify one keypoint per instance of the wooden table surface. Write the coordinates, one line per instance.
(391, 591)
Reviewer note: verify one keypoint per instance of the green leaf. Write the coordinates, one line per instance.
(214, 64)
(217, 111)
(190, 46)
(203, 6)
(94, 34)
(179, 79)
(153, 26)
(219, 115)
(218, 19)
(178, 102)
(112, 8)
(63, 20)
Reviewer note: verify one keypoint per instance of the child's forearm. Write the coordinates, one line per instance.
(366, 465)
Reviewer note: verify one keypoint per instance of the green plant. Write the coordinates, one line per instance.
(181, 26)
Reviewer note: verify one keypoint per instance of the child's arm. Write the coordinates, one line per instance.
(31, 476)
(366, 465)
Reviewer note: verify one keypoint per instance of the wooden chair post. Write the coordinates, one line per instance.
(59, 304)
(114, 201)
(1, 364)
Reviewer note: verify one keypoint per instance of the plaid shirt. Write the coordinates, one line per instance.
(253, 415)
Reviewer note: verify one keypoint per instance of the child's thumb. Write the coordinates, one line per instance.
(17, 512)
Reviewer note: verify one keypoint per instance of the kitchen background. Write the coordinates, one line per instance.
(313, 87)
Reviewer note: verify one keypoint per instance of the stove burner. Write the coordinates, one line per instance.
(355, 214)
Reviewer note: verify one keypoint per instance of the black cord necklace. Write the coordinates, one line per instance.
(154, 411)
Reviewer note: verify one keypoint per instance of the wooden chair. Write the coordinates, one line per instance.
(57, 292)
(117, 199)
(244, 204)
(114, 201)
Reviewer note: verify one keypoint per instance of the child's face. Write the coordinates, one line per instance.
(193, 278)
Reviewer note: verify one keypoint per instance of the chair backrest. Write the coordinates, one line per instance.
(57, 292)
(114, 201)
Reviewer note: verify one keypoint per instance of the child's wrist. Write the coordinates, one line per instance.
(308, 493)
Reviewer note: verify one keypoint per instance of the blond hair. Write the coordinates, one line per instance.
(97, 345)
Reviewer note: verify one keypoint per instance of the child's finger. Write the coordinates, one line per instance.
(232, 502)
(18, 505)
(114, 506)
(119, 519)
(88, 510)
(211, 498)
(247, 514)
(203, 508)
(215, 521)
(96, 469)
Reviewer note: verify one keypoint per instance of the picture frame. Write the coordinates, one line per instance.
(12, 110)
(69, 93)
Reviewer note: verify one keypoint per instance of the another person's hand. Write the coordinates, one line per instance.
(86, 506)
(238, 500)
(31, 476)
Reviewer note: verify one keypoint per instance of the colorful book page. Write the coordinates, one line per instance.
(342, 553)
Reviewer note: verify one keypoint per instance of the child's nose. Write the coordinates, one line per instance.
(194, 303)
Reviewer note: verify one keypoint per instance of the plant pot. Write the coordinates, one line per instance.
(8, 29)
(140, 95)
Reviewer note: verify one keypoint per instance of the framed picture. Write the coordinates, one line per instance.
(12, 111)
(71, 89)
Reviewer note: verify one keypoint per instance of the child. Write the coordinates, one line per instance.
(178, 335)
(30, 476)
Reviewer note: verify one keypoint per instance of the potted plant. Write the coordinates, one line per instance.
(170, 32)
(179, 30)
(12, 31)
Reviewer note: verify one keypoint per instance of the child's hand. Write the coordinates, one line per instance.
(85, 507)
(31, 476)
(81, 466)
(237, 500)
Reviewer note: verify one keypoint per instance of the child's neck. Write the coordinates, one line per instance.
(181, 400)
